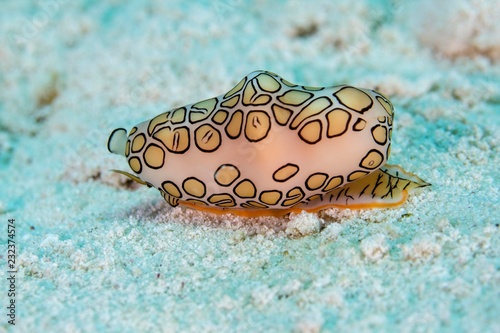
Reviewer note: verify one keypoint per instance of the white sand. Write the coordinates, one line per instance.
(95, 254)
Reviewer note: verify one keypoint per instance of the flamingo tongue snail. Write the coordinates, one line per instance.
(270, 147)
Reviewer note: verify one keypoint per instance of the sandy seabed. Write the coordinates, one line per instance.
(96, 254)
